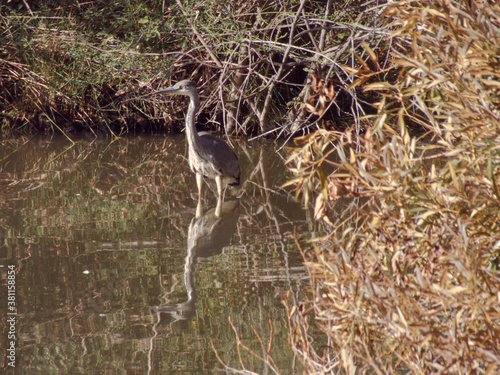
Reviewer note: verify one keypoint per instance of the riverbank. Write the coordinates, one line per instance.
(262, 68)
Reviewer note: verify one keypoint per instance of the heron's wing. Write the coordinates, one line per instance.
(220, 155)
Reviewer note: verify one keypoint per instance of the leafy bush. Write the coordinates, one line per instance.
(408, 280)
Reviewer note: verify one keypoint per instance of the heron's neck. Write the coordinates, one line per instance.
(191, 133)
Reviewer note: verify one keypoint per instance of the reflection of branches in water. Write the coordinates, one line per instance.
(241, 348)
(264, 195)
(264, 202)
(120, 167)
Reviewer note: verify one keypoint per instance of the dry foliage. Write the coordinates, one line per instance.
(262, 67)
(408, 281)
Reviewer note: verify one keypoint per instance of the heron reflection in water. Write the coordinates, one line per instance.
(209, 156)
(207, 236)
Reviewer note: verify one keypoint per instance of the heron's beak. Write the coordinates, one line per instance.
(169, 91)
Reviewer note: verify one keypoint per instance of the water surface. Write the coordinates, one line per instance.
(115, 274)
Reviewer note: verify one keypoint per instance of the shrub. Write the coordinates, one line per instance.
(262, 67)
(408, 280)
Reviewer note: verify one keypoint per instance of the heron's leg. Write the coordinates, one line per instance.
(199, 208)
(199, 182)
(218, 180)
(218, 209)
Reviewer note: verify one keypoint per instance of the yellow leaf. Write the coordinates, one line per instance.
(370, 53)
(457, 289)
(379, 86)
(456, 181)
(292, 182)
(319, 207)
(352, 156)
(362, 62)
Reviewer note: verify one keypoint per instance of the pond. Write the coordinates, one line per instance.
(115, 274)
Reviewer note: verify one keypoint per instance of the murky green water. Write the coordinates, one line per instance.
(114, 274)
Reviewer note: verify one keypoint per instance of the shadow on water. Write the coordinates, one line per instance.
(115, 274)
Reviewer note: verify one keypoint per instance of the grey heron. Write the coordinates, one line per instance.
(209, 156)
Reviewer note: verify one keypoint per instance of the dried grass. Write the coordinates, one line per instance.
(263, 67)
(408, 281)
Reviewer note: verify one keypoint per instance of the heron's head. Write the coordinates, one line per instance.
(185, 87)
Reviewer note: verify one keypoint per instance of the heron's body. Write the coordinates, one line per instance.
(209, 156)
(203, 161)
